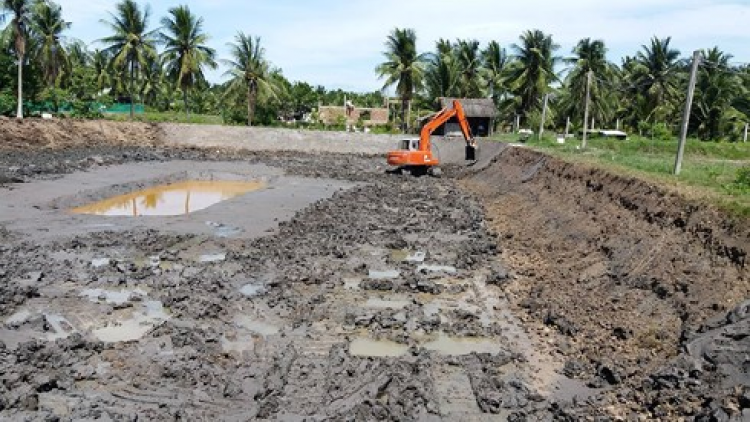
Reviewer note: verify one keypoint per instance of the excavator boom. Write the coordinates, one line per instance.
(419, 155)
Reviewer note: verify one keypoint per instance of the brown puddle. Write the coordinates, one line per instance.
(169, 200)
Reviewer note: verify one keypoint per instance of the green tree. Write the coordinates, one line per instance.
(533, 71)
(185, 50)
(717, 89)
(251, 73)
(302, 99)
(403, 68)
(469, 65)
(20, 12)
(131, 44)
(78, 53)
(655, 75)
(495, 63)
(590, 56)
(442, 74)
(101, 61)
(47, 26)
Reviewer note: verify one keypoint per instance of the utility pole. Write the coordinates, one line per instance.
(686, 114)
(567, 127)
(544, 116)
(517, 123)
(744, 138)
(589, 76)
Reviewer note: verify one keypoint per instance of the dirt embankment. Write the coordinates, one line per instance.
(64, 133)
(628, 278)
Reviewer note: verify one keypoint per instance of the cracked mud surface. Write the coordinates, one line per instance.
(526, 291)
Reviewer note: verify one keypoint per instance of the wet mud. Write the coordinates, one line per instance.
(523, 290)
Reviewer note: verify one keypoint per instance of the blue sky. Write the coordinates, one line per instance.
(338, 43)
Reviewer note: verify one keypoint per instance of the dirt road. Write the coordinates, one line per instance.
(522, 289)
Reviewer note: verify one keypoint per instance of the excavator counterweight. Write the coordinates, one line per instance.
(416, 154)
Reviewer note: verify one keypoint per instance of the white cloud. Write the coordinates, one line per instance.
(338, 43)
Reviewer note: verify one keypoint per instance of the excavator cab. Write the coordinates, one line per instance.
(416, 155)
(409, 144)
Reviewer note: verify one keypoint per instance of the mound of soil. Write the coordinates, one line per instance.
(627, 275)
(61, 133)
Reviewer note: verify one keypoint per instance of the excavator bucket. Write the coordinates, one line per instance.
(471, 153)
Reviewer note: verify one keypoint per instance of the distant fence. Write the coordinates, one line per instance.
(119, 108)
(65, 108)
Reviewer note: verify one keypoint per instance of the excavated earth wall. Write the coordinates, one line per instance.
(647, 291)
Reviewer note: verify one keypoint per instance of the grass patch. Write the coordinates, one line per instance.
(718, 172)
(168, 117)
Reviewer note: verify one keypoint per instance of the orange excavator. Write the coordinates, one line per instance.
(415, 156)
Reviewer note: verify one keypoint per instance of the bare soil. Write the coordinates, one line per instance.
(627, 275)
(56, 133)
(551, 292)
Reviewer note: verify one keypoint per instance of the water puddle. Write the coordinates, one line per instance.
(569, 390)
(111, 296)
(352, 284)
(258, 327)
(170, 200)
(377, 303)
(432, 308)
(252, 290)
(458, 346)
(141, 322)
(437, 269)
(60, 327)
(237, 345)
(402, 255)
(383, 275)
(19, 317)
(211, 258)
(100, 262)
(377, 348)
(222, 230)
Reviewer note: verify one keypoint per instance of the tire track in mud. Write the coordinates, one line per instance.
(285, 350)
(611, 277)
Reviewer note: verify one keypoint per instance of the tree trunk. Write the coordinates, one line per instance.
(404, 106)
(185, 98)
(19, 111)
(251, 97)
(132, 83)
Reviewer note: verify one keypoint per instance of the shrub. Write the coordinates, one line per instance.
(7, 104)
(741, 185)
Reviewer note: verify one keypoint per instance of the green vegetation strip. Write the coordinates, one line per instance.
(718, 173)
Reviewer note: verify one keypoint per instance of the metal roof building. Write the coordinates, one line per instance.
(480, 112)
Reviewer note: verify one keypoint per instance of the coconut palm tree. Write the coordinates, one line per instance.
(717, 88)
(533, 70)
(185, 50)
(590, 56)
(656, 75)
(403, 68)
(101, 61)
(442, 71)
(469, 63)
(494, 70)
(20, 12)
(250, 72)
(131, 44)
(47, 26)
(78, 53)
